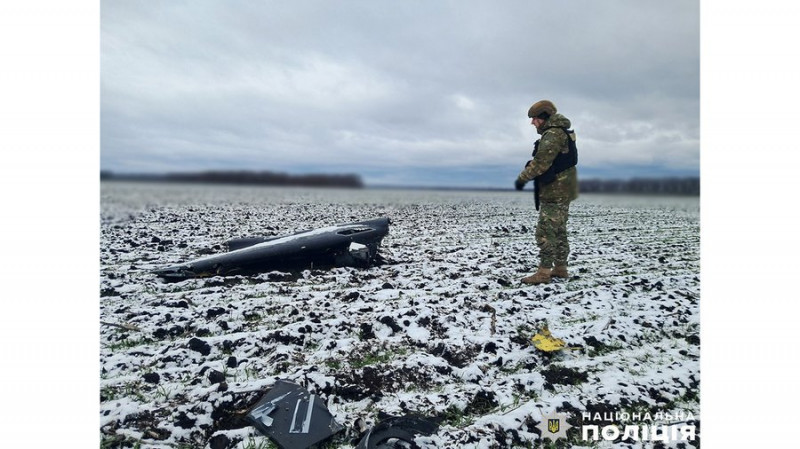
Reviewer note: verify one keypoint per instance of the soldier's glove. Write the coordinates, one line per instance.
(519, 184)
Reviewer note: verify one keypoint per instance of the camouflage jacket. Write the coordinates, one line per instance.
(553, 141)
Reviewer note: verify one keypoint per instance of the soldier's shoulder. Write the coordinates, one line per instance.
(554, 133)
(559, 121)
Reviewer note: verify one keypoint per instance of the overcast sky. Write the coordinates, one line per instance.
(400, 92)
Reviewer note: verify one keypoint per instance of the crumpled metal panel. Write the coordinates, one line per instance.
(293, 417)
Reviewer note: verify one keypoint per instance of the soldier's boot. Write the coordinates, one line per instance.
(542, 276)
(559, 271)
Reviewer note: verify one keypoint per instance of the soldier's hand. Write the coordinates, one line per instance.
(519, 184)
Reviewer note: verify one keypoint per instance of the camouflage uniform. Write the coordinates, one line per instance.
(551, 229)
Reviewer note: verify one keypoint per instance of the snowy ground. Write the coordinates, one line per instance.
(442, 330)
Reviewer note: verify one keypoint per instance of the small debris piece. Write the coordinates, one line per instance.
(127, 327)
(395, 430)
(544, 341)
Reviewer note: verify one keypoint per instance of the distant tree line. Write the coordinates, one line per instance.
(653, 186)
(244, 177)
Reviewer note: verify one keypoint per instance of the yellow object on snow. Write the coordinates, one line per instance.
(544, 341)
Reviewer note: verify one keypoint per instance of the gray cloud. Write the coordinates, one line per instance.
(402, 92)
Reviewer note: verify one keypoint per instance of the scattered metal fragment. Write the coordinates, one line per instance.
(126, 326)
(397, 429)
(292, 417)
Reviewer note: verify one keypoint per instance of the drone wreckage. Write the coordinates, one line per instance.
(294, 418)
(352, 244)
(288, 414)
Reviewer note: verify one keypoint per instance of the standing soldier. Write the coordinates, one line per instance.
(555, 184)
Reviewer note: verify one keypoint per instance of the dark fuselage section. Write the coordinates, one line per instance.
(349, 244)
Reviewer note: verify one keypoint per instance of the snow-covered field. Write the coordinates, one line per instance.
(441, 330)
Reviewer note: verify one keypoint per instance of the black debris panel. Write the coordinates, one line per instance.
(292, 417)
(395, 429)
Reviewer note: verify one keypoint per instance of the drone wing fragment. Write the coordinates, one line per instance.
(292, 417)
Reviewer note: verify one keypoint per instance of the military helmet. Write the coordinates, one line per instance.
(540, 107)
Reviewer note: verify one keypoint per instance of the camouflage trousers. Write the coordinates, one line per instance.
(551, 234)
